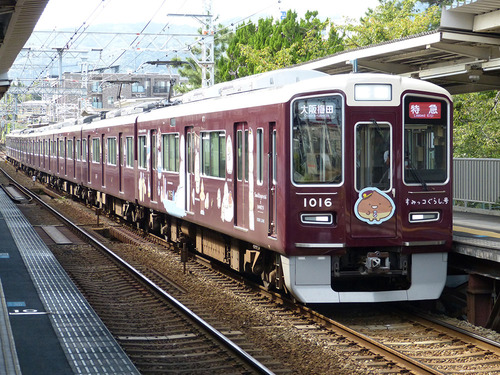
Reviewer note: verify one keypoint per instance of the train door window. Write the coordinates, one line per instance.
(61, 148)
(84, 149)
(96, 150)
(317, 137)
(426, 140)
(275, 157)
(154, 151)
(170, 149)
(129, 152)
(142, 152)
(190, 152)
(239, 154)
(246, 156)
(260, 156)
(373, 156)
(214, 153)
(112, 151)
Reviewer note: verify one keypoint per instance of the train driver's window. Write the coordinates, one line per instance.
(317, 140)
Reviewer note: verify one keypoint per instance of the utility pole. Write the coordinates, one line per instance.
(207, 62)
(207, 58)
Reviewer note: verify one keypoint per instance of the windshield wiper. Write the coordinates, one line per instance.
(416, 174)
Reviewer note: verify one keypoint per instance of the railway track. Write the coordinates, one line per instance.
(383, 340)
(158, 333)
(374, 340)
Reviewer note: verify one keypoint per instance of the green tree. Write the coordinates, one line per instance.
(477, 125)
(271, 45)
(390, 20)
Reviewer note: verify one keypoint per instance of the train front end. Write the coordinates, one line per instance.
(369, 209)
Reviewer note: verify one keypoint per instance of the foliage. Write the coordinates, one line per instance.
(390, 20)
(271, 45)
(477, 125)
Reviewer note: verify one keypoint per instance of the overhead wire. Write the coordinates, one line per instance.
(83, 26)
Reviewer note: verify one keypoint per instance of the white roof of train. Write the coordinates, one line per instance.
(254, 91)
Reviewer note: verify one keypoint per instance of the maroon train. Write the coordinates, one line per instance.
(337, 188)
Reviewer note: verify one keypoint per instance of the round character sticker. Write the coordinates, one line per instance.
(374, 206)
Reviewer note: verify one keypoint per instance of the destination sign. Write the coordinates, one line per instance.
(425, 110)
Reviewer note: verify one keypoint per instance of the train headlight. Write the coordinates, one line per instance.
(422, 217)
(325, 219)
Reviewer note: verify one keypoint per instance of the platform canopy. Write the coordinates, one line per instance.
(463, 55)
(17, 21)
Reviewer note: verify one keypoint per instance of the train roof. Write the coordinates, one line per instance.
(263, 89)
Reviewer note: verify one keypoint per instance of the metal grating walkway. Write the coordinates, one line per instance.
(88, 345)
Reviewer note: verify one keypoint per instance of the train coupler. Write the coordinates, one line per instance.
(377, 262)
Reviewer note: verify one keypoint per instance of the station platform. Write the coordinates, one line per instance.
(46, 325)
(481, 230)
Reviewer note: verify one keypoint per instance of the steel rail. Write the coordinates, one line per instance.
(243, 355)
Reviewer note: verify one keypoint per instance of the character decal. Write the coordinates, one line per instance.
(374, 206)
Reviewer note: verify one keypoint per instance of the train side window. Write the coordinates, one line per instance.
(70, 148)
(170, 150)
(112, 151)
(260, 156)
(96, 150)
(78, 149)
(214, 153)
(129, 152)
(142, 152)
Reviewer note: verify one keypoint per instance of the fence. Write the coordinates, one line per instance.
(476, 180)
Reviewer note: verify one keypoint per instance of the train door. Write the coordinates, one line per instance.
(65, 155)
(73, 156)
(273, 159)
(241, 199)
(103, 161)
(120, 161)
(189, 165)
(373, 193)
(87, 151)
(153, 165)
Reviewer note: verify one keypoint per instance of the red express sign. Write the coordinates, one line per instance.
(425, 110)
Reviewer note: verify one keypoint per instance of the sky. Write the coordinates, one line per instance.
(63, 14)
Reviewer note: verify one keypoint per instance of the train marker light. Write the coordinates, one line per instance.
(420, 217)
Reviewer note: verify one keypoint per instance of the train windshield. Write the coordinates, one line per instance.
(317, 140)
(426, 141)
